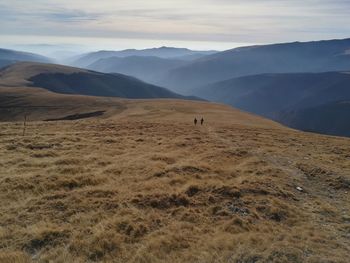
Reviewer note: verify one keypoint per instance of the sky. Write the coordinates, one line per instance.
(198, 24)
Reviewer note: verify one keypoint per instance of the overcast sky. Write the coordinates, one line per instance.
(201, 24)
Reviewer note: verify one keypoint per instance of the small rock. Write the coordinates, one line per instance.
(299, 189)
(238, 210)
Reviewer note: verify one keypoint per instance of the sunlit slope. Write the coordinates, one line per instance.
(145, 185)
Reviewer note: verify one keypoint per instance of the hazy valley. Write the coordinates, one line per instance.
(279, 81)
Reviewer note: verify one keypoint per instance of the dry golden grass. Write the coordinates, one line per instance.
(145, 185)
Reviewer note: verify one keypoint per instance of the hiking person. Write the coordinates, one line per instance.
(195, 121)
(202, 121)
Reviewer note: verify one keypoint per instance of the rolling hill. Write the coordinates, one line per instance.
(277, 96)
(162, 52)
(143, 184)
(317, 56)
(8, 57)
(149, 69)
(67, 80)
(36, 104)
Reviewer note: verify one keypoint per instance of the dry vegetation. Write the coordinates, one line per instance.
(145, 185)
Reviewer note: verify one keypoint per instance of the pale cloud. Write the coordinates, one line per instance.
(253, 21)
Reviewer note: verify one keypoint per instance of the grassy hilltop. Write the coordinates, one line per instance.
(142, 184)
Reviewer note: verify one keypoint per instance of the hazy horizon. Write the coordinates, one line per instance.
(83, 26)
(48, 46)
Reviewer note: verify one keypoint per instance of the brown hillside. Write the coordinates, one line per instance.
(39, 104)
(141, 183)
(68, 80)
(18, 74)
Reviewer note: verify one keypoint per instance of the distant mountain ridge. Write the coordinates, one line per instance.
(146, 68)
(316, 56)
(162, 52)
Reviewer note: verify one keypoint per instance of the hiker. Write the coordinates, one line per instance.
(195, 121)
(202, 121)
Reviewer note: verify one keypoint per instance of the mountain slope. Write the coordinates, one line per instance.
(330, 118)
(69, 80)
(146, 68)
(6, 62)
(8, 57)
(270, 95)
(162, 52)
(318, 56)
(39, 104)
(146, 185)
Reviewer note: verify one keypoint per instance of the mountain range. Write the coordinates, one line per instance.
(304, 85)
(297, 57)
(146, 68)
(163, 52)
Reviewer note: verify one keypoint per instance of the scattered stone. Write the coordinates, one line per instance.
(238, 210)
(300, 189)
